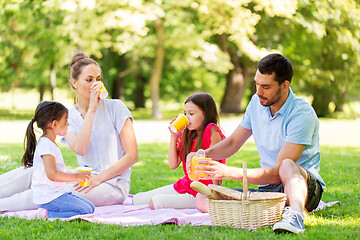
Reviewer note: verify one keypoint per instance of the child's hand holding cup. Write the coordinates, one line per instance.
(179, 123)
(87, 182)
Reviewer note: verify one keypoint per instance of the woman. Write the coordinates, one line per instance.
(102, 136)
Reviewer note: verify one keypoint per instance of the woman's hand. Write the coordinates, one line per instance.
(94, 96)
(82, 176)
(94, 182)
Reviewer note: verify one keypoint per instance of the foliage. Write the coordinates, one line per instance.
(322, 41)
(320, 37)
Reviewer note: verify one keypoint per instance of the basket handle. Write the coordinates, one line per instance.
(245, 183)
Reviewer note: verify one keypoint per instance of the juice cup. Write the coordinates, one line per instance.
(103, 92)
(179, 123)
(84, 169)
(194, 162)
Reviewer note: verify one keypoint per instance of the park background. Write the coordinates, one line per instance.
(155, 53)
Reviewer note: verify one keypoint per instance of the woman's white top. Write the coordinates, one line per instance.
(105, 147)
(45, 190)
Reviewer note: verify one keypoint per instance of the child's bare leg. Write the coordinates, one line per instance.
(201, 203)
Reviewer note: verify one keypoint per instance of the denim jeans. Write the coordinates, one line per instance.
(68, 205)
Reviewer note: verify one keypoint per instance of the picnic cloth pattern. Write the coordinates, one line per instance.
(135, 215)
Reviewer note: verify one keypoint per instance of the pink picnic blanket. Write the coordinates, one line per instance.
(129, 215)
(134, 215)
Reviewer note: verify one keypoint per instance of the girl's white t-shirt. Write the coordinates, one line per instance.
(45, 190)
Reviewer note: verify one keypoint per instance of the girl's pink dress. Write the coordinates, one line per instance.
(183, 184)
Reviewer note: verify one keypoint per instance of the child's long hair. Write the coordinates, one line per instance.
(207, 104)
(45, 113)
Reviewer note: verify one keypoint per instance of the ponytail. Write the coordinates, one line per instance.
(29, 145)
(45, 113)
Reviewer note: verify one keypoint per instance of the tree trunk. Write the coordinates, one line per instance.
(252, 89)
(321, 101)
(157, 69)
(236, 80)
(52, 81)
(118, 88)
(41, 92)
(139, 100)
(340, 99)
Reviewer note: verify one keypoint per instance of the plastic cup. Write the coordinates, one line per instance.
(179, 123)
(85, 169)
(194, 162)
(103, 92)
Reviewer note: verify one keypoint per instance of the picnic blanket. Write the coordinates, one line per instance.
(134, 215)
(129, 215)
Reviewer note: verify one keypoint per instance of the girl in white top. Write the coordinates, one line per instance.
(102, 136)
(49, 170)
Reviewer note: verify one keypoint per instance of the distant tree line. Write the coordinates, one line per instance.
(164, 49)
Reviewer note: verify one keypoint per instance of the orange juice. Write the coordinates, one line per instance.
(200, 155)
(179, 123)
(84, 169)
(103, 92)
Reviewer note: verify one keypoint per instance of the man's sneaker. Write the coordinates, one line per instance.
(292, 222)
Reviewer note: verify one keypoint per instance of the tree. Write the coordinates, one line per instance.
(231, 24)
(322, 41)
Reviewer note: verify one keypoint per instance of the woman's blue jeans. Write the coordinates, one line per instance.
(68, 205)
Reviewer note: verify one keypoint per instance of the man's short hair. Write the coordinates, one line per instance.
(279, 64)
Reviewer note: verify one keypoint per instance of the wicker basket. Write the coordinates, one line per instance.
(266, 210)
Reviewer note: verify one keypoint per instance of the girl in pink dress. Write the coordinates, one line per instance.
(201, 133)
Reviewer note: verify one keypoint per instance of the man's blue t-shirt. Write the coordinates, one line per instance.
(295, 122)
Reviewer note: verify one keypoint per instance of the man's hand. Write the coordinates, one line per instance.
(188, 161)
(215, 170)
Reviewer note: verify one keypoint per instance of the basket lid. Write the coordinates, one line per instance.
(252, 196)
(228, 193)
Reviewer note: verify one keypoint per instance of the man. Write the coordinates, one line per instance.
(286, 133)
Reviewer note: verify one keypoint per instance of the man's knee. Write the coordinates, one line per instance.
(286, 166)
(289, 168)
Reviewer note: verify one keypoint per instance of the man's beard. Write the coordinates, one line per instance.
(272, 101)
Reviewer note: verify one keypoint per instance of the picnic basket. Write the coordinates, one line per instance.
(249, 210)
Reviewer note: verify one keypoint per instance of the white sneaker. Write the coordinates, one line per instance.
(292, 222)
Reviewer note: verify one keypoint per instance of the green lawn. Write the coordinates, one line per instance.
(340, 168)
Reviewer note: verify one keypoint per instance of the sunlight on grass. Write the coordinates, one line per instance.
(152, 171)
(316, 221)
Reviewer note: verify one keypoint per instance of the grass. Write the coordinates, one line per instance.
(340, 167)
